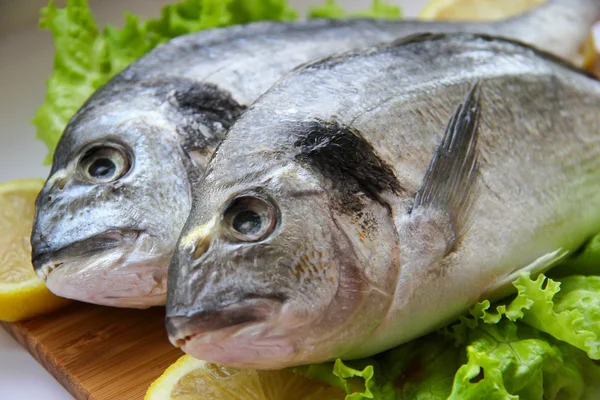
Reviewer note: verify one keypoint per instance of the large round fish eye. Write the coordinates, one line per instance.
(250, 218)
(103, 164)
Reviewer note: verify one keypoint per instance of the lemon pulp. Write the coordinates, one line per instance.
(22, 294)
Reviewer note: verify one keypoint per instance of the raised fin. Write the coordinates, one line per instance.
(503, 287)
(449, 185)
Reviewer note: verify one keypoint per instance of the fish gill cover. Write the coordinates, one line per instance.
(543, 342)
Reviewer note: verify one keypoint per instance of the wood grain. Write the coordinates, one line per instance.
(99, 353)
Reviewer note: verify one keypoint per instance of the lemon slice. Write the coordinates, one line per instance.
(490, 10)
(596, 67)
(22, 294)
(475, 10)
(192, 379)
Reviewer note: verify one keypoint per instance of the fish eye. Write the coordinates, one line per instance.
(250, 218)
(103, 164)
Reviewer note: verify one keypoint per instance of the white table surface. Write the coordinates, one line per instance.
(25, 63)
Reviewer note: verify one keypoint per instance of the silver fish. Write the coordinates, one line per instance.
(118, 194)
(371, 197)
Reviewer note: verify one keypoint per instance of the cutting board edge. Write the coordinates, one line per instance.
(47, 361)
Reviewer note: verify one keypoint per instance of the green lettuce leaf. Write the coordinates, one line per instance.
(356, 377)
(86, 57)
(379, 9)
(586, 261)
(529, 347)
(507, 360)
(514, 361)
(80, 66)
(422, 369)
(568, 310)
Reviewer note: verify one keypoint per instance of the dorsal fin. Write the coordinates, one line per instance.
(449, 183)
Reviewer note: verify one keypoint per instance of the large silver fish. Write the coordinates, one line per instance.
(371, 197)
(118, 194)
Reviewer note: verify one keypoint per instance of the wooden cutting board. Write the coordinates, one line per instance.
(99, 353)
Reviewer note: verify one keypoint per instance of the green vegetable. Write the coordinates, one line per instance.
(532, 346)
(379, 9)
(86, 57)
(568, 310)
(515, 361)
(586, 261)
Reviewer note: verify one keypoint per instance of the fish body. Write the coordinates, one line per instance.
(371, 197)
(118, 193)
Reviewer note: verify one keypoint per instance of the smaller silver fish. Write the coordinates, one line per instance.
(371, 197)
(118, 194)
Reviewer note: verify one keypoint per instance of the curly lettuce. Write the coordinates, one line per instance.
(542, 343)
(87, 57)
(379, 9)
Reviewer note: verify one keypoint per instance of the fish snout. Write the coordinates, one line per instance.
(57, 184)
(47, 255)
(201, 247)
(251, 310)
(42, 248)
(41, 254)
(54, 185)
(197, 242)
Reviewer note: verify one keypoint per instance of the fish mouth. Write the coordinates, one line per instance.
(251, 311)
(46, 259)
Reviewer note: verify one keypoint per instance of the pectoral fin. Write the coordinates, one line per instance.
(503, 287)
(445, 201)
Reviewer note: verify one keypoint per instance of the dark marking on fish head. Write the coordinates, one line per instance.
(348, 162)
(208, 98)
(205, 112)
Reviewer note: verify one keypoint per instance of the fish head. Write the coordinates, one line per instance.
(264, 275)
(109, 215)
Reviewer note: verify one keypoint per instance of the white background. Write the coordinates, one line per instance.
(25, 63)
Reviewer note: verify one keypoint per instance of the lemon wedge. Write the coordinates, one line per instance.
(475, 10)
(490, 10)
(22, 294)
(192, 379)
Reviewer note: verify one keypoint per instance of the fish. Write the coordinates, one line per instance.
(119, 190)
(374, 196)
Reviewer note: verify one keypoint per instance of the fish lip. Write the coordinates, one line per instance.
(251, 310)
(46, 259)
